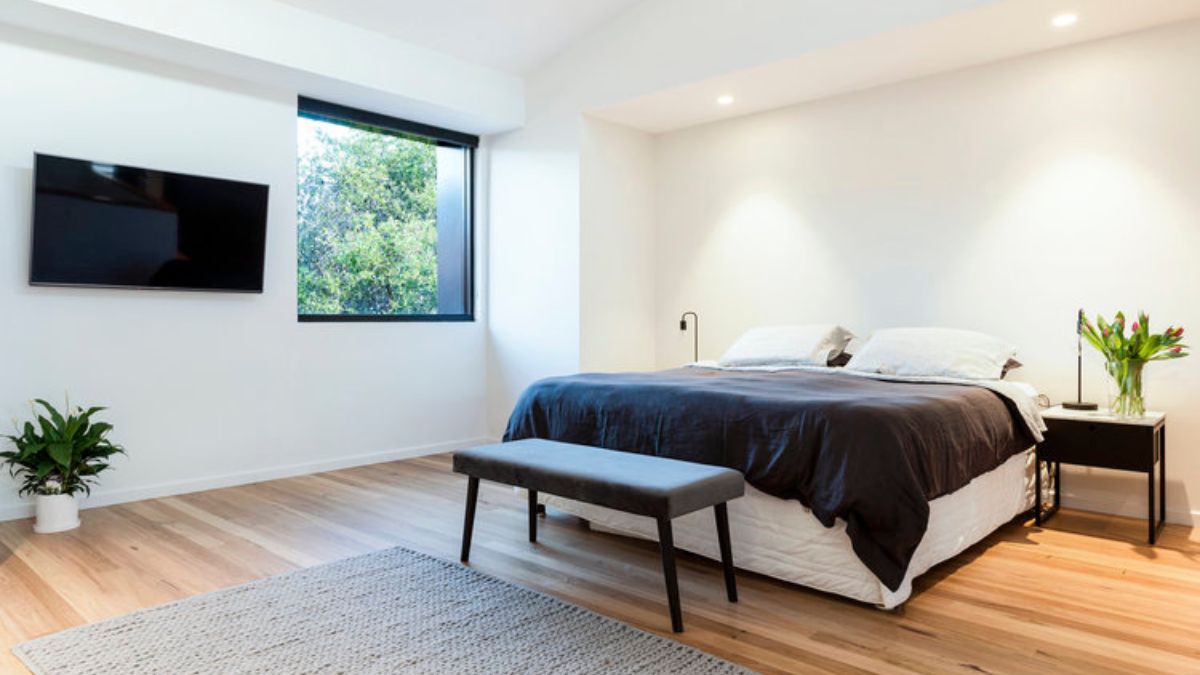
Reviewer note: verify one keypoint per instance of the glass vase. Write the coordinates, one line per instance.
(1125, 379)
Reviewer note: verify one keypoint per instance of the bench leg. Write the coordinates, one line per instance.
(667, 543)
(533, 511)
(469, 518)
(726, 550)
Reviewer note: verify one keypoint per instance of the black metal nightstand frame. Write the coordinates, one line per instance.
(1105, 444)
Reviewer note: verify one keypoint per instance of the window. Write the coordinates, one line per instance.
(384, 216)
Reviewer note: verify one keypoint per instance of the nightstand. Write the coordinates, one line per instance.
(1098, 439)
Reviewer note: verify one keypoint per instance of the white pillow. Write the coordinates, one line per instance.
(787, 346)
(940, 352)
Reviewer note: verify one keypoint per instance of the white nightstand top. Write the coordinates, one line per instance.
(1103, 416)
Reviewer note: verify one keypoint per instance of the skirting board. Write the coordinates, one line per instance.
(1122, 493)
(172, 488)
(1128, 510)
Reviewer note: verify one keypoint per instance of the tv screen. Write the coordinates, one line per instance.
(98, 224)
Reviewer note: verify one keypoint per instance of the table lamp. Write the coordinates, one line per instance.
(1079, 403)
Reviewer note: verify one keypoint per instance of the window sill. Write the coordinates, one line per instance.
(385, 318)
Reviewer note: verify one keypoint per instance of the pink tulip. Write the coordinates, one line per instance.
(1176, 349)
(1135, 326)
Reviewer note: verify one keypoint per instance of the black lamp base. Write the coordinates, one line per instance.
(1080, 405)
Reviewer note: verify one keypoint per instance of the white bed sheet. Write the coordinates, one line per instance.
(1022, 394)
(782, 539)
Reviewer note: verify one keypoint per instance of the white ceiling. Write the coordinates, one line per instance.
(514, 36)
(996, 31)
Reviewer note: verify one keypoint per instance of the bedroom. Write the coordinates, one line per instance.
(951, 163)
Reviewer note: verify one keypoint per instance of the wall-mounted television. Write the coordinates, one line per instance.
(97, 224)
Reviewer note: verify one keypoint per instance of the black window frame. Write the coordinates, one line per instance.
(339, 114)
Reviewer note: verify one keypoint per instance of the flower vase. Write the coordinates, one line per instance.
(1125, 397)
(56, 513)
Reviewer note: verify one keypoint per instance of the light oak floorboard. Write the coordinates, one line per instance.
(1083, 595)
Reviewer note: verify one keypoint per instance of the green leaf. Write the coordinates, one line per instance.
(32, 449)
(54, 414)
(49, 433)
(60, 453)
(71, 427)
(92, 469)
(43, 469)
(87, 443)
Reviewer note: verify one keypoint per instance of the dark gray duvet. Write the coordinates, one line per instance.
(871, 452)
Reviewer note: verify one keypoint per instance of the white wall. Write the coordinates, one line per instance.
(998, 198)
(617, 268)
(536, 222)
(204, 389)
(533, 258)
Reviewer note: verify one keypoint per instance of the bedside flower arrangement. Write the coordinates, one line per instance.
(1127, 355)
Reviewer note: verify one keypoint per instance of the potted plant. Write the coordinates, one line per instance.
(1127, 355)
(56, 458)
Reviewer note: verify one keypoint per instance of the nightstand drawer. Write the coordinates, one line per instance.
(1111, 446)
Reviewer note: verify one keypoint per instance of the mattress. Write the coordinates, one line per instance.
(872, 452)
(784, 540)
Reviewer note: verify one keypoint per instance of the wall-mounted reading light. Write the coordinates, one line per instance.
(695, 332)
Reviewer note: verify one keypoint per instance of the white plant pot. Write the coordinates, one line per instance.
(56, 513)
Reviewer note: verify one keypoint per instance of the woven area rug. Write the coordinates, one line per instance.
(395, 611)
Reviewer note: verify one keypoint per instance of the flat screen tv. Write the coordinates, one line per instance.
(97, 224)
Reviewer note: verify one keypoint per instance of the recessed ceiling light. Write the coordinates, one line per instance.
(1064, 20)
(725, 99)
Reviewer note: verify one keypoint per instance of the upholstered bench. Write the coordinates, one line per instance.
(640, 484)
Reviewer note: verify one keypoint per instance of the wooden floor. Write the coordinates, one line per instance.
(1083, 596)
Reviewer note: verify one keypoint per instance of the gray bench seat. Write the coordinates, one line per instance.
(625, 481)
(645, 485)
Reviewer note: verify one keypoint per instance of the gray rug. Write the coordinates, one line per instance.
(388, 612)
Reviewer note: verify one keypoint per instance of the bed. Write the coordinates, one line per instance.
(858, 483)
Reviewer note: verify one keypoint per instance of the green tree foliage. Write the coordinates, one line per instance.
(367, 224)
